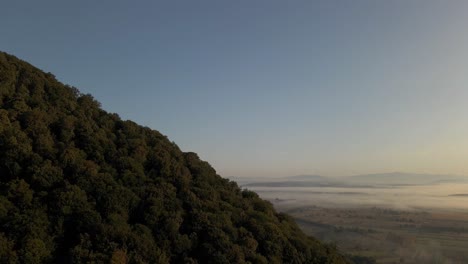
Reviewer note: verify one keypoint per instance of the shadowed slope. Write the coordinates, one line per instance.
(80, 185)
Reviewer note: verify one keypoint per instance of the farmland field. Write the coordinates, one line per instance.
(375, 224)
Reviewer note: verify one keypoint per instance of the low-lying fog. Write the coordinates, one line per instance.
(428, 223)
(440, 196)
(321, 191)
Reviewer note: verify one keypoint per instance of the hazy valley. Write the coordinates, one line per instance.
(383, 216)
(122, 122)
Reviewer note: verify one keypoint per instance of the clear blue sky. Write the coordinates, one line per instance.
(268, 88)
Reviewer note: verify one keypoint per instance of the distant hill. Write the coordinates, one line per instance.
(357, 181)
(302, 181)
(308, 178)
(460, 195)
(278, 181)
(305, 184)
(399, 178)
(80, 185)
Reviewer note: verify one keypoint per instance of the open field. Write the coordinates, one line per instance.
(374, 223)
(388, 235)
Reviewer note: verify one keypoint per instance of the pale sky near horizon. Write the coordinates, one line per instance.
(268, 88)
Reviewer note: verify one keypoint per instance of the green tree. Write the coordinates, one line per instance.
(80, 185)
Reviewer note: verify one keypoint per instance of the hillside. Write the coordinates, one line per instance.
(80, 185)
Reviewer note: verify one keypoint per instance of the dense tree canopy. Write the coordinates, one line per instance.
(80, 185)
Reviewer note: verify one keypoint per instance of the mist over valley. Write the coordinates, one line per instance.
(389, 217)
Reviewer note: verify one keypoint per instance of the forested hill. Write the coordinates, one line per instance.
(80, 185)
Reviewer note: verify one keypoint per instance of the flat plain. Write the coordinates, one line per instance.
(391, 225)
(388, 235)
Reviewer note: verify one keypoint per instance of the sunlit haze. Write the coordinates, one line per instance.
(268, 88)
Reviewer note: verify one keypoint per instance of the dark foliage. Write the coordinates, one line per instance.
(80, 185)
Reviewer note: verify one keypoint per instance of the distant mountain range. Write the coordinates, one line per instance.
(401, 178)
(355, 181)
(308, 178)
